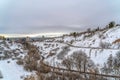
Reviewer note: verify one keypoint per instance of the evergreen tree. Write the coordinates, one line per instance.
(110, 63)
(111, 24)
(105, 68)
(117, 61)
(75, 34)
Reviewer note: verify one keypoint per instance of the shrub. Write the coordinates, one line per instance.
(82, 61)
(117, 60)
(64, 52)
(104, 45)
(30, 78)
(1, 76)
(67, 62)
(32, 58)
(51, 54)
(8, 61)
(20, 62)
(111, 24)
(30, 64)
(43, 69)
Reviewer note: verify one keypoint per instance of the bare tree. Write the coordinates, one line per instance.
(67, 62)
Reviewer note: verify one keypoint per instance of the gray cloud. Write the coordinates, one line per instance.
(36, 16)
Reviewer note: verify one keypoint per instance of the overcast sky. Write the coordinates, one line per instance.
(37, 16)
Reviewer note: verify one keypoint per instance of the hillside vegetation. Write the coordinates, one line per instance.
(90, 55)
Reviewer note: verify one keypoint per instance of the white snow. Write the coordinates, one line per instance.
(12, 71)
(99, 56)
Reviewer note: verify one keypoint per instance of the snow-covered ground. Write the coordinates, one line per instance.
(99, 56)
(51, 51)
(12, 71)
(9, 69)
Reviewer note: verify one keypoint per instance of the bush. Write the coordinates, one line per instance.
(8, 61)
(104, 45)
(112, 65)
(43, 69)
(111, 24)
(63, 52)
(30, 61)
(1, 76)
(79, 60)
(20, 62)
(30, 64)
(50, 54)
(67, 62)
(117, 60)
(30, 78)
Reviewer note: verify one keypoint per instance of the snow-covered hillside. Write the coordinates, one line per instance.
(98, 46)
(9, 54)
(12, 71)
(90, 45)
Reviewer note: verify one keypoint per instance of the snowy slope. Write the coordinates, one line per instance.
(12, 71)
(51, 51)
(99, 56)
(8, 66)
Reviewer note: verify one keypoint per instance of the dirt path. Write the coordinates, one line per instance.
(80, 72)
(91, 47)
